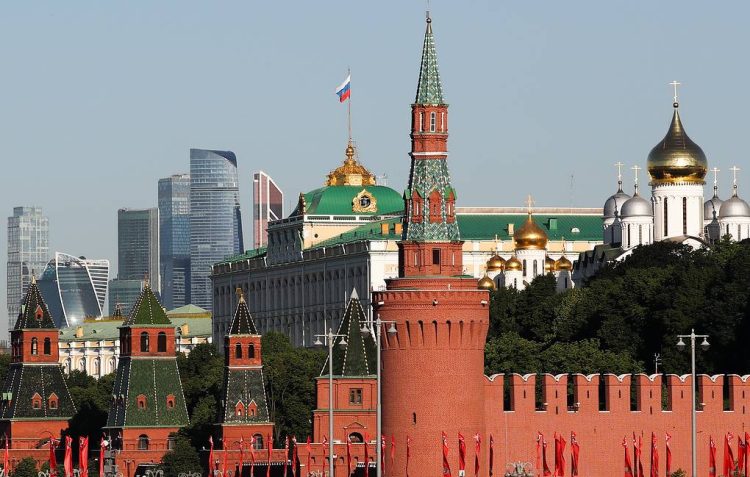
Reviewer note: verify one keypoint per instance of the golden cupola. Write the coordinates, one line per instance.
(677, 159)
(563, 264)
(530, 236)
(351, 172)
(496, 264)
(486, 283)
(513, 265)
(549, 265)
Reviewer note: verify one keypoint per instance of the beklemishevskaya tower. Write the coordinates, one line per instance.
(433, 367)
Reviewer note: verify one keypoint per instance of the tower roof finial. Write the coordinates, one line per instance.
(675, 84)
(734, 170)
(636, 168)
(429, 88)
(529, 203)
(715, 170)
(619, 165)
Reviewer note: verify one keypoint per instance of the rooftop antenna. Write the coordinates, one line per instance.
(675, 84)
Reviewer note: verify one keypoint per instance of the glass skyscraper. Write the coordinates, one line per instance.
(28, 253)
(174, 238)
(74, 288)
(215, 223)
(137, 255)
(268, 205)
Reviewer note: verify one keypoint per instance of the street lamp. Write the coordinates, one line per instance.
(330, 338)
(704, 346)
(378, 324)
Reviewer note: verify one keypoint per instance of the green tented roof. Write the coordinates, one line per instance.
(338, 200)
(34, 313)
(242, 323)
(358, 358)
(24, 381)
(429, 89)
(147, 310)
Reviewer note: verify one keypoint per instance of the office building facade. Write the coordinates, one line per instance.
(138, 245)
(74, 288)
(215, 223)
(28, 253)
(268, 206)
(174, 239)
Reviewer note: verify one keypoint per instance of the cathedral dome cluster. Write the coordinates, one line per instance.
(614, 203)
(734, 207)
(637, 206)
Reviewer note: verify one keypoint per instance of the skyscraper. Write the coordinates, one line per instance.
(268, 205)
(137, 255)
(28, 253)
(174, 240)
(215, 223)
(74, 288)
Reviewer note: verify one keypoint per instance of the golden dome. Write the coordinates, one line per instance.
(549, 265)
(351, 172)
(486, 283)
(496, 264)
(563, 264)
(677, 159)
(513, 264)
(530, 236)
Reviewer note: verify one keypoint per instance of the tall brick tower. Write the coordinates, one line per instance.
(433, 367)
(36, 404)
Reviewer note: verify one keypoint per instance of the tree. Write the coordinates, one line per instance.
(92, 400)
(25, 468)
(183, 459)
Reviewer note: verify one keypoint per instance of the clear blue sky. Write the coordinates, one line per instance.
(100, 99)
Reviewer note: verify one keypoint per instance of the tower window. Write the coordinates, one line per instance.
(433, 121)
(684, 216)
(34, 346)
(251, 351)
(630, 244)
(161, 342)
(421, 122)
(666, 218)
(36, 401)
(143, 442)
(355, 396)
(536, 270)
(524, 268)
(640, 235)
(141, 401)
(442, 122)
(257, 441)
(238, 351)
(144, 342)
(170, 401)
(47, 346)
(436, 256)
(52, 402)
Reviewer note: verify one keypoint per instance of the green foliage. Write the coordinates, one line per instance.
(182, 460)
(290, 374)
(4, 365)
(25, 468)
(628, 312)
(201, 373)
(678, 473)
(92, 400)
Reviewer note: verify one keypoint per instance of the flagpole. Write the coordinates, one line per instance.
(349, 109)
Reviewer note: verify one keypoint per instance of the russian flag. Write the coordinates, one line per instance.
(343, 90)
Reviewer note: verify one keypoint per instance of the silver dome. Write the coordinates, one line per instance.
(734, 207)
(710, 206)
(613, 205)
(637, 206)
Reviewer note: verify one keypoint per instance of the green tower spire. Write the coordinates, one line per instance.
(429, 88)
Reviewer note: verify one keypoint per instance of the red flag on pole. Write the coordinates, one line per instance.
(654, 457)
(83, 456)
(295, 456)
(286, 454)
(628, 464)
(102, 447)
(461, 456)
(560, 456)
(492, 454)
(446, 465)
(545, 467)
(210, 456)
(539, 439)
(325, 454)
(223, 462)
(309, 451)
(747, 451)
(68, 460)
(635, 456)
(367, 455)
(668, 438)
(477, 451)
(640, 456)
(242, 455)
(711, 457)
(574, 451)
(382, 454)
(348, 456)
(393, 451)
(740, 455)
(728, 454)
(252, 457)
(6, 457)
(52, 458)
(270, 450)
(408, 453)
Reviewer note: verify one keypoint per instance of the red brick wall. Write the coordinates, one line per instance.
(347, 418)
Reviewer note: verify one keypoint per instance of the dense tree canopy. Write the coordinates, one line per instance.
(628, 312)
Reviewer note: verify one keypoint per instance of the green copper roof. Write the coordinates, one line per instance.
(147, 310)
(244, 386)
(24, 381)
(34, 313)
(428, 176)
(339, 200)
(188, 310)
(98, 330)
(429, 89)
(242, 323)
(358, 358)
(156, 379)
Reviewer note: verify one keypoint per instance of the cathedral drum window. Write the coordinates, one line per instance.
(364, 202)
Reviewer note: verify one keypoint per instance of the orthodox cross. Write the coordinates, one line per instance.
(715, 170)
(636, 169)
(529, 203)
(675, 84)
(734, 170)
(619, 165)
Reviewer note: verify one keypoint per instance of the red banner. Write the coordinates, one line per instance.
(477, 451)
(446, 465)
(728, 454)
(68, 460)
(393, 451)
(270, 450)
(654, 457)
(545, 467)
(242, 456)
(286, 454)
(711, 457)
(52, 458)
(574, 451)
(668, 438)
(102, 447)
(560, 456)
(628, 464)
(309, 451)
(348, 456)
(408, 453)
(382, 454)
(325, 454)
(539, 440)
(461, 456)
(367, 455)
(492, 454)
(210, 456)
(295, 456)
(640, 457)
(83, 456)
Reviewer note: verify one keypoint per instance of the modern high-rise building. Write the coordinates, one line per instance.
(268, 205)
(74, 288)
(28, 253)
(122, 295)
(174, 240)
(138, 245)
(215, 223)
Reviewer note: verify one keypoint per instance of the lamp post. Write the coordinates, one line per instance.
(330, 338)
(704, 346)
(378, 324)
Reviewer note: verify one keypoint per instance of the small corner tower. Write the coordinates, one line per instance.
(354, 382)
(440, 315)
(36, 403)
(147, 399)
(244, 409)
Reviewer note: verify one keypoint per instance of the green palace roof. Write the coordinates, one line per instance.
(101, 330)
(339, 200)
